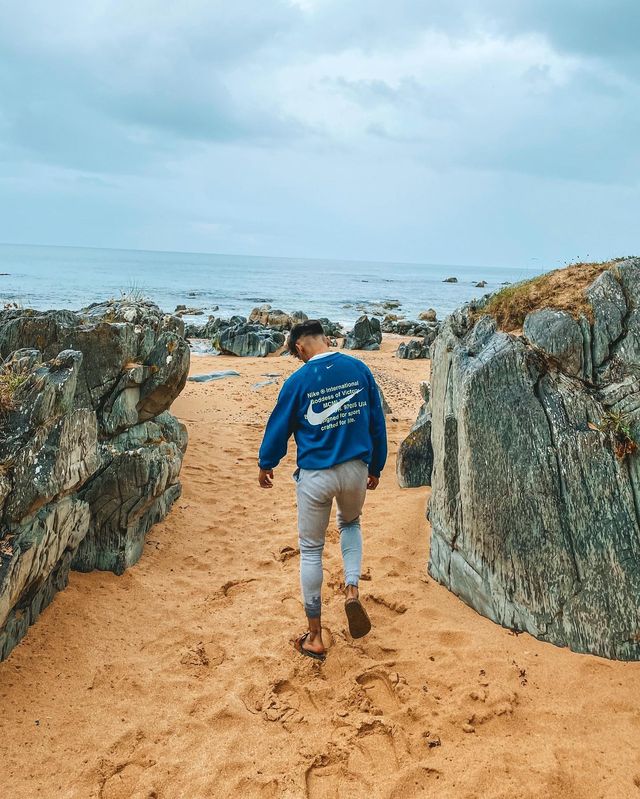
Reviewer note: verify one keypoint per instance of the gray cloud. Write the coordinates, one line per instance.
(314, 126)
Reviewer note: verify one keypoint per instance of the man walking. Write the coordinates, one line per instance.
(332, 407)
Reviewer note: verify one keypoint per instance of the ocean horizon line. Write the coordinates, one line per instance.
(363, 261)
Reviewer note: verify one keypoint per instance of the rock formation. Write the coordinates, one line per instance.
(245, 339)
(332, 329)
(275, 318)
(409, 327)
(535, 506)
(415, 454)
(89, 454)
(366, 334)
(411, 350)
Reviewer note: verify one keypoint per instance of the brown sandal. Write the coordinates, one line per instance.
(359, 622)
(300, 648)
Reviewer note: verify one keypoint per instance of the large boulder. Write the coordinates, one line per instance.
(366, 334)
(89, 454)
(275, 318)
(414, 462)
(409, 327)
(412, 350)
(332, 329)
(211, 327)
(535, 505)
(247, 340)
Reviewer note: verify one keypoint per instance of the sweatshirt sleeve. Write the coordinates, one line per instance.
(377, 429)
(279, 428)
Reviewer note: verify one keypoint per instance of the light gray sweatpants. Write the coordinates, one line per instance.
(316, 490)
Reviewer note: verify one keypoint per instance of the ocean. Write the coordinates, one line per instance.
(44, 277)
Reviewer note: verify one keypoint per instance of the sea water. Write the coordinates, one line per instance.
(44, 277)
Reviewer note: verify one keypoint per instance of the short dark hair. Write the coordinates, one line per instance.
(311, 327)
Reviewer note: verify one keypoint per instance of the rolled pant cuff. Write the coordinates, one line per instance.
(312, 610)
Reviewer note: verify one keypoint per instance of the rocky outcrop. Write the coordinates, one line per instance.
(332, 329)
(412, 350)
(263, 320)
(275, 318)
(535, 506)
(89, 454)
(410, 327)
(247, 340)
(366, 334)
(209, 329)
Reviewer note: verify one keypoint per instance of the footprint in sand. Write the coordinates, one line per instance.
(485, 703)
(203, 655)
(286, 703)
(380, 690)
(396, 607)
(366, 766)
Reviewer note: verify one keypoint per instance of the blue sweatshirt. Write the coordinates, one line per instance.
(332, 407)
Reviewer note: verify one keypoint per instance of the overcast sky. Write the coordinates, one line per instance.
(443, 131)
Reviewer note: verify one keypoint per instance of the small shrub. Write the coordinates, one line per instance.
(614, 423)
(133, 294)
(9, 384)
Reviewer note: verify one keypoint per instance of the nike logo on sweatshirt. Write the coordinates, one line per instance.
(315, 418)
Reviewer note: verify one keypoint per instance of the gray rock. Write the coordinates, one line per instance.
(428, 316)
(89, 454)
(214, 376)
(135, 488)
(408, 327)
(246, 340)
(450, 280)
(270, 317)
(298, 316)
(366, 335)
(331, 329)
(535, 517)
(412, 350)
(35, 557)
(414, 462)
(609, 309)
(559, 335)
(386, 408)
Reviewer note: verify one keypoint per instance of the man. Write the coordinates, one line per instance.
(332, 407)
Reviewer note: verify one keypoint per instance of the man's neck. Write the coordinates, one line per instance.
(320, 354)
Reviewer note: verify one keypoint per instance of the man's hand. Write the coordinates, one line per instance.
(372, 482)
(265, 478)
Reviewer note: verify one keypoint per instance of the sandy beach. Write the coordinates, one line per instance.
(179, 680)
